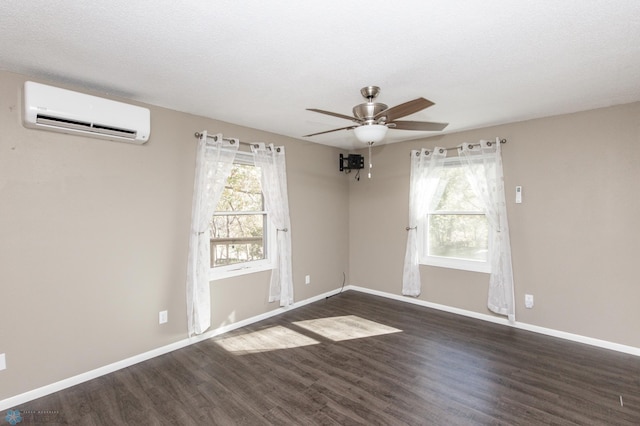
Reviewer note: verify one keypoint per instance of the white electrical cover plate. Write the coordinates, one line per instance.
(528, 301)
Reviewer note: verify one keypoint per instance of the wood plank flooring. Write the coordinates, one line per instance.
(416, 366)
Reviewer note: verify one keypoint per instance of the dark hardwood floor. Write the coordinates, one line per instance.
(364, 360)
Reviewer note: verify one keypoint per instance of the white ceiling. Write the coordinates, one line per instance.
(260, 63)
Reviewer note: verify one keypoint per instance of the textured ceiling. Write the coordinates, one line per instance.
(260, 63)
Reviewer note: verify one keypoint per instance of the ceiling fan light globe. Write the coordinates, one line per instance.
(370, 133)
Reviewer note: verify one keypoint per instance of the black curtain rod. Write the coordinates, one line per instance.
(215, 138)
(490, 141)
(473, 144)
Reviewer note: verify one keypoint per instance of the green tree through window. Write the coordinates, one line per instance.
(239, 223)
(456, 231)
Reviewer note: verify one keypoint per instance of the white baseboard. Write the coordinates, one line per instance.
(632, 350)
(16, 401)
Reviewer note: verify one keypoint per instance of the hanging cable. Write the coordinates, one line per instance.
(344, 279)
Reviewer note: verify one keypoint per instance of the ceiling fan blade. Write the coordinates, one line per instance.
(418, 125)
(329, 131)
(335, 114)
(404, 109)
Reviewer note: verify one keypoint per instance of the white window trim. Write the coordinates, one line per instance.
(238, 269)
(451, 262)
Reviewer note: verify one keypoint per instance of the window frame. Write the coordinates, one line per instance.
(249, 267)
(451, 262)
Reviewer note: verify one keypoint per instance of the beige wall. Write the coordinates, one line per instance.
(574, 238)
(94, 237)
(93, 234)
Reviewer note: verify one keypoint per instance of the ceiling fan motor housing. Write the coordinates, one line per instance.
(365, 112)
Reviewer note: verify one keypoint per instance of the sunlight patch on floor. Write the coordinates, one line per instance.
(269, 339)
(346, 327)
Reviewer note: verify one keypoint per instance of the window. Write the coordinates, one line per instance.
(455, 232)
(240, 232)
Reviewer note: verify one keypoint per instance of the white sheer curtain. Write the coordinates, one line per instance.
(426, 167)
(214, 159)
(274, 187)
(484, 171)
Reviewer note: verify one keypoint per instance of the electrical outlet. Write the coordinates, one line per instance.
(528, 301)
(3, 362)
(163, 317)
(307, 279)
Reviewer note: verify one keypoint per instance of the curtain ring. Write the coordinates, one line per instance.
(441, 150)
(410, 228)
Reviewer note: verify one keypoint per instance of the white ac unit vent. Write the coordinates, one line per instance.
(61, 110)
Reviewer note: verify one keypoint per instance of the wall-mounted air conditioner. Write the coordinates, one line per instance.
(61, 110)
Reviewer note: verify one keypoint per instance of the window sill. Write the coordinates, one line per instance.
(238, 270)
(461, 264)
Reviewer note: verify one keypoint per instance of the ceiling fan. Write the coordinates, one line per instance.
(374, 118)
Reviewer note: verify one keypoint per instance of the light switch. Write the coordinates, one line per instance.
(518, 194)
